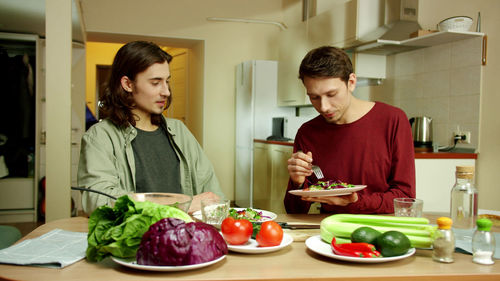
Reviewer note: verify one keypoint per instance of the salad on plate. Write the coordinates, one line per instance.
(329, 184)
(250, 214)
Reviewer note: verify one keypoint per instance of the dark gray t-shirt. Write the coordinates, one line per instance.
(156, 164)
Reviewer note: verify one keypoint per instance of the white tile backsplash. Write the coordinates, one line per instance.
(435, 84)
(407, 87)
(466, 52)
(464, 80)
(438, 108)
(437, 58)
(408, 63)
(441, 82)
(464, 109)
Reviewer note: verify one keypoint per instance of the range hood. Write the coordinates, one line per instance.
(401, 17)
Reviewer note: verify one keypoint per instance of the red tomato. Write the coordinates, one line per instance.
(270, 234)
(236, 232)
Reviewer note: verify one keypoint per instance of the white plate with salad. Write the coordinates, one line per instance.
(327, 188)
(252, 247)
(317, 245)
(132, 263)
(251, 214)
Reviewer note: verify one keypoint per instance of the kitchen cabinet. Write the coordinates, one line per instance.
(291, 92)
(261, 177)
(270, 176)
(434, 180)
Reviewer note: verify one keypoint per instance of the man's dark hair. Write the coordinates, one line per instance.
(326, 61)
(130, 60)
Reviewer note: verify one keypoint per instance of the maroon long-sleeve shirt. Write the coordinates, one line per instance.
(376, 150)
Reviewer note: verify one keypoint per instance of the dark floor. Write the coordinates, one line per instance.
(27, 227)
(24, 227)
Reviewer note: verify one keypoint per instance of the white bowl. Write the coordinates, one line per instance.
(461, 23)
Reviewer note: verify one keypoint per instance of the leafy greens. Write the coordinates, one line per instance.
(118, 231)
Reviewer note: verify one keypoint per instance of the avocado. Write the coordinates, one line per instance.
(365, 234)
(393, 243)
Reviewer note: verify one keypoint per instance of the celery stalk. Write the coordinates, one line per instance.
(418, 230)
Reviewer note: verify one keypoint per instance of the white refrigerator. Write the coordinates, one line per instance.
(256, 105)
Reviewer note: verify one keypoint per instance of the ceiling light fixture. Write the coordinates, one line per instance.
(281, 25)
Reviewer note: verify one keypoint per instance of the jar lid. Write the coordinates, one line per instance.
(444, 223)
(484, 224)
(465, 169)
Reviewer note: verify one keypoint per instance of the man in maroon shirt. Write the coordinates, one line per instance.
(352, 140)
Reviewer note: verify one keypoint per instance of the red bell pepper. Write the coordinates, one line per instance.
(363, 247)
(359, 250)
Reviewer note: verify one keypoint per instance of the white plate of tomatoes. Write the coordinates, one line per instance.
(252, 247)
(269, 236)
(317, 245)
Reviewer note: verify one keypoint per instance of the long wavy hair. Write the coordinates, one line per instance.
(326, 61)
(132, 59)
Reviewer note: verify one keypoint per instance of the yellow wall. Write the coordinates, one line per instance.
(97, 54)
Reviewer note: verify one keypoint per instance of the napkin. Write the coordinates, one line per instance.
(56, 249)
(463, 241)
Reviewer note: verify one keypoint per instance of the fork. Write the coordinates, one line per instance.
(317, 172)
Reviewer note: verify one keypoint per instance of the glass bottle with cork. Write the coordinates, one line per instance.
(463, 209)
(443, 246)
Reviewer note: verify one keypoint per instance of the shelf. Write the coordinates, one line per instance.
(389, 47)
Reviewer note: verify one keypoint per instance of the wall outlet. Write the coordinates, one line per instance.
(467, 137)
(464, 136)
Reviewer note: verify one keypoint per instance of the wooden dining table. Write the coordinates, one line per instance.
(294, 262)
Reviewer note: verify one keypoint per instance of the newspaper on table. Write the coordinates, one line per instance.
(57, 249)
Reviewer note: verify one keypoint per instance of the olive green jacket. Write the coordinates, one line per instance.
(107, 163)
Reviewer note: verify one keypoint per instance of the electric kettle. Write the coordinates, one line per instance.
(421, 130)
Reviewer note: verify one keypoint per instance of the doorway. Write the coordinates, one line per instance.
(102, 76)
(187, 52)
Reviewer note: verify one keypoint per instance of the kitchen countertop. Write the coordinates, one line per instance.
(418, 155)
(294, 262)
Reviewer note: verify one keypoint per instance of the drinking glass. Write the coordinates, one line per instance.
(408, 207)
(214, 211)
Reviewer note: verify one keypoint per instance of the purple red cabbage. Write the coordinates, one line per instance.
(172, 242)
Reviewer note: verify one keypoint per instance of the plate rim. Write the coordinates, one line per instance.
(129, 263)
(262, 250)
(317, 238)
(327, 192)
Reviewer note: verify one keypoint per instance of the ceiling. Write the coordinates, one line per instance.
(28, 16)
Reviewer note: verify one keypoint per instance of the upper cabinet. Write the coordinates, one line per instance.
(293, 47)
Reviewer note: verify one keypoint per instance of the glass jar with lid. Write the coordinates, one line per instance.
(443, 246)
(464, 196)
